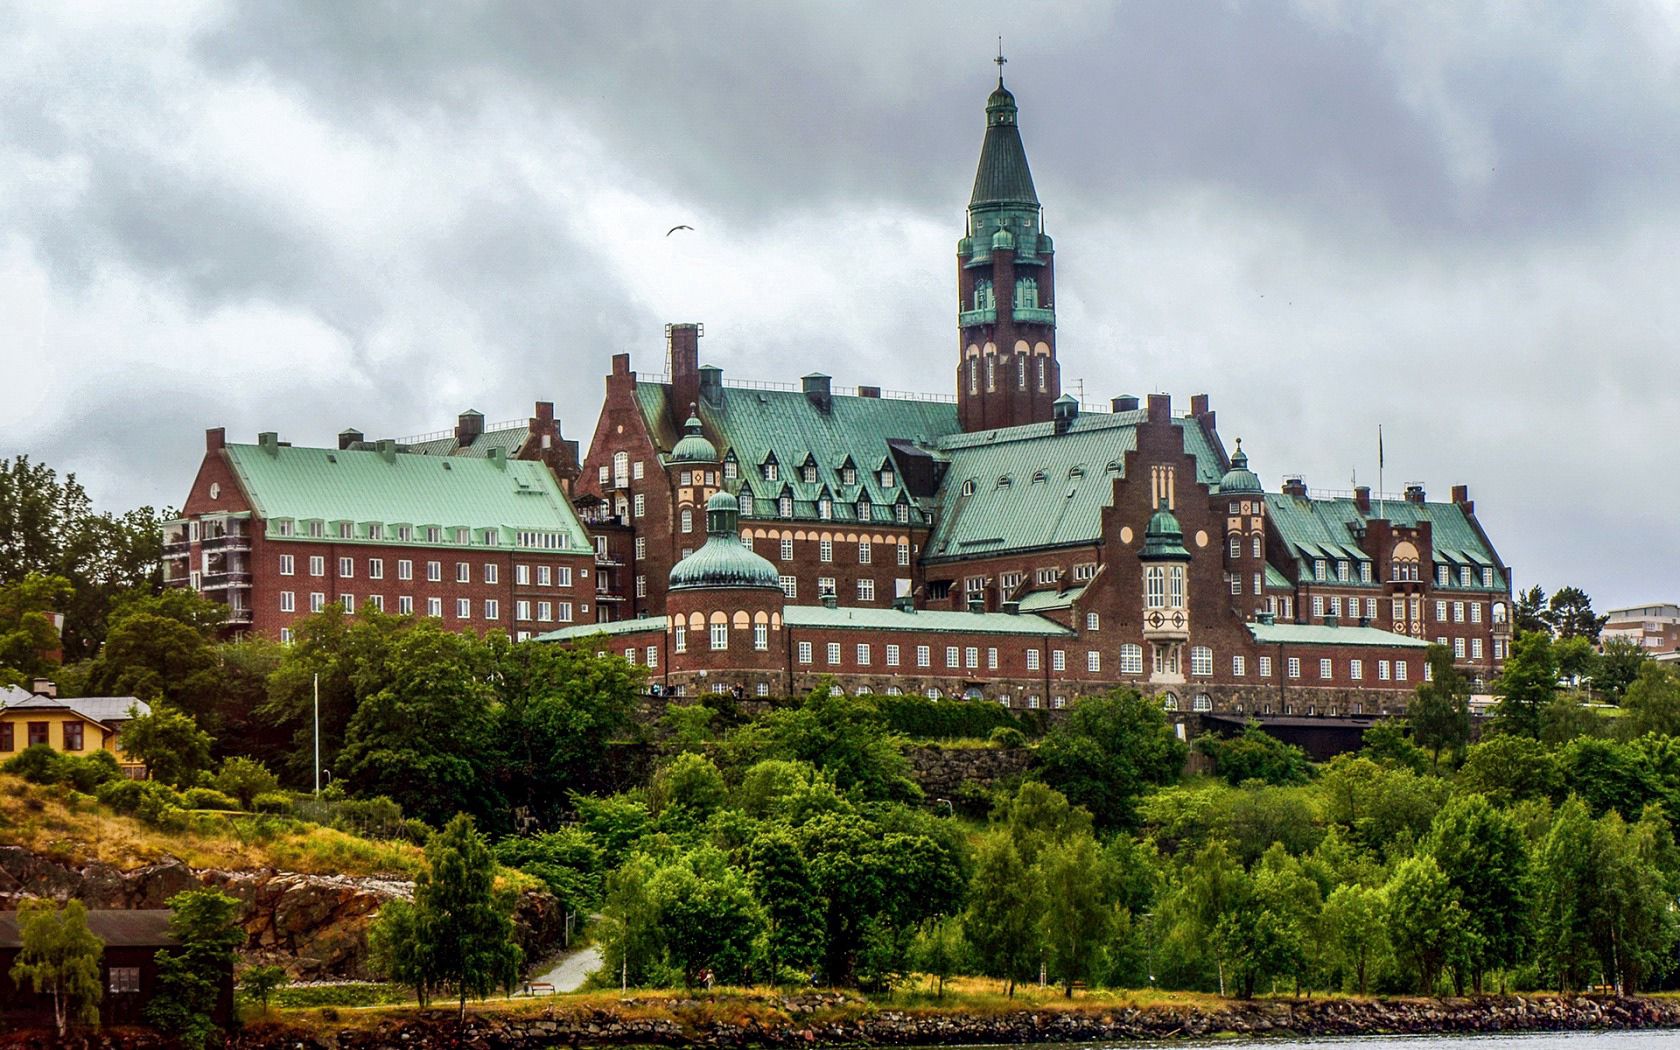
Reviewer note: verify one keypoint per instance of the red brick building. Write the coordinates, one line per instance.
(481, 542)
(1007, 541)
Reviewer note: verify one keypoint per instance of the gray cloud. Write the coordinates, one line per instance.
(1453, 220)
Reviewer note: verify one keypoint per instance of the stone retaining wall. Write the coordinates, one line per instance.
(942, 771)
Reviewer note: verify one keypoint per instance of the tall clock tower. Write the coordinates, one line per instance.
(1006, 282)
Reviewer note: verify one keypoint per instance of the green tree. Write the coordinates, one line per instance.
(1255, 754)
(59, 956)
(708, 918)
(261, 982)
(1509, 769)
(1379, 808)
(1608, 775)
(29, 638)
(1570, 615)
(1440, 709)
(170, 744)
(1619, 663)
(424, 738)
(1567, 870)
(1426, 923)
(781, 880)
(1568, 717)
(399, 949)
(1529, 612)
(158, 647)
(1005, 905)
(1482, 853)
(1211, 888)
(468, 930)
(1577, 659)
(1108, 751)
(190, 976)
(846, 738)
(630, 919)
(1527, 684)
(1038, 816)
(1078, 916)
(1637, 935)
(687, 788)
(568, 861)
(1652, 701)
(1388, 743)
(245, 779)
(1355, 930)
(939, 950)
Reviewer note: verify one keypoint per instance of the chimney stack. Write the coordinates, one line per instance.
(1414, 493)
(711, 384)
(1362, 498)
(817, 390)
(44, 687)
(347, 437)
(1160, 408)
(682, 359)
(1295, 485)
(468, 426)
(1125, 403)
(215, 439)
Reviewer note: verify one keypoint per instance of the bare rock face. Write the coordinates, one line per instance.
(314, 926)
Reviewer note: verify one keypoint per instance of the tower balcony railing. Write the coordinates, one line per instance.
(227, 541)
(970, 317)
(238, 615)
(219, 581)
(1035, 314)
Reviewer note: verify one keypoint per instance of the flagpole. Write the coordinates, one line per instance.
(317, 687)
(1381, 513)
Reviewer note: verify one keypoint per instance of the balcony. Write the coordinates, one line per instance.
(1035, 315)
(607, 561)
(972, 317)
(221, 581)
(1166, 624)
(237, 616)
(227, 541)
(603, 596)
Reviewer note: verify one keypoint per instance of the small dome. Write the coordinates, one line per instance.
(1164, 538)
(1239, 478)
(1003, 240)
(724, 561)
(693, 447)
(965, 247)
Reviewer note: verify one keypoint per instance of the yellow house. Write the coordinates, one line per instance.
(73, 725)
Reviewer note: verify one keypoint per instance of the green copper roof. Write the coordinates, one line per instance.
(610, 629)
(1027, 486)
(755, 425)
(922, 620)
(1003, 176)
(693, 446)
(723, 561)
(1036, 601)
(1163, 539)
(1239, 478)
(1319, 528)
(508, 497)
(508, 439)
(1313, 634)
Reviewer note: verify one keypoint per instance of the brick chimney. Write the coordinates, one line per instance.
(468, 426)
(1414, 493)
(1362, 498)
(1296, 486)
(347, 437)
(215, 439)
(1160, 408)
(682, 351)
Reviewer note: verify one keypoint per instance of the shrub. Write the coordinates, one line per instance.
(38, 764)
(272, 802)
(919, 718)
(209, 798)
(150, 800)
(85, 774)
(245, 779)
(1008, 736)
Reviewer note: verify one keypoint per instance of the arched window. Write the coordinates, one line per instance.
(983, 296)
(1175, 586)
(991, 372)
(1043, 369)
(621, 468)
(1498, 612)
(687, 520)
(1020, 371)
(1169, 702)
(1026, 293)
(1155, 587)
(1257, 545)
(974, 375)
(1201, 702)
(1236, 546)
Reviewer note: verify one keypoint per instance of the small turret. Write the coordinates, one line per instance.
(693, 447)
(1163, 540)
(1239, 478)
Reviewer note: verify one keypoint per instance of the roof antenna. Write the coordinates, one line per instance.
(1000, 60)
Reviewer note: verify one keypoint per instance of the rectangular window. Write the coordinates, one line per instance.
(563, 575)
(1032, 659)
(1235, 579)
(1294, 667)
(1342, 571)
(924, 656)
(1356, 670)
(1364, 572)
(376, 568)
(641, 586)
(1475, 612)
(1201, 660)
(1058, 660)
(1318, 605)
(1326, 669)
(761, 637)
(1265, 667)
(286, 565)
(1382, 670)
(1335, 606)
(953, 657)
(1399, 670)
(434, 571)
(866, 552)
(346, 568)
(434, 608)
(1318, 569)
(522, 575)
(787, 548)
(1458, 612)
(405, 604)
(38, 733)
(405, 569)
(903, 554)
(1239, 666)
(652, 652)
(317, 602)
(825, 550)
(492, 572)
(825, 585)
(720, 637)
(832, 653)
(463, 608)
(1458, 648)
(679, 639)
(463, 572)
(545, 612)
(376, 601)
(563, 611)
(866, 590)
(991, 659)
(863, 654)
(72, 736)
(348, 601)
(1475, 648)
(640, 506)
(790, 586)
(288, 602)
(124, 980)
(1093, 661)
(1440, 612)
(1131, 659)
(971, 658)
(892, 656)
(522, 611)
(317, 565)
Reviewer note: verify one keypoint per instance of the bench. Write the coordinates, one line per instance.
(533, 987)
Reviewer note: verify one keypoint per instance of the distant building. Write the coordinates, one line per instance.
(481, 542)
(1654, 628)
(127, 972)
(73, 725)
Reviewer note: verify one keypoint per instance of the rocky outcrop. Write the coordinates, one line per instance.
(942, 771)
(315, 926)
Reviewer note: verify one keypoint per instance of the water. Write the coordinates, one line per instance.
(1650, 1039)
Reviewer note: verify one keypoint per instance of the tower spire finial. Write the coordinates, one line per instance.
(1000, 60)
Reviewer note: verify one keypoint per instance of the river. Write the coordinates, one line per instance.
(1651, 1039)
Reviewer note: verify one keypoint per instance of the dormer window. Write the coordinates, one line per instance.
(808, 473)
(864, 511)
(746, 503)
(769, 469)
(825, 508)
(1039, 475)
(901, 513)
(888, 480)
(968, 487)
(1319, 572)
(729, 470)
(848, 475)
(784, 506)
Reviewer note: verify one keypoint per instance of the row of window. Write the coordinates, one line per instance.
(624, 471)
(1323, 568)
(545, 575)
(39, 733)
(1445, 612)
(436, 534)
(718, 637)
(524, 611)
(1042, 370)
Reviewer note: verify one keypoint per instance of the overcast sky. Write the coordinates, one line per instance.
(1459, 222)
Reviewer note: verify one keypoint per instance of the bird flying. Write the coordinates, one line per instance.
(674, 229)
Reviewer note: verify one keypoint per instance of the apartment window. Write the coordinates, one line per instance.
(545, 612)
(991, 659)
(522, 575)
(434, 571)
(405, 604)
(285, 639)
(1440, 612)
(1235, 580)
(1294, 667)
(652, 652)
(1257, 587)
(971, 658)
(1475, 648)
(1239, 666)
(1326, 669)
(866, 552)
(434, 608)
(563, 575)
(1399, 670)
(376, 602)
(641, 548)
(1093, 661)
(641, 586)
(346, 531)
(286, 565)
(1265, 667)
(348, 601)
(1091, 621)
(1458, 612)
(924, 656)
(1382, 670)
(1085, 572)
(317, 601)
(522, 611)
(903, 554)
(866, 590)
(790, 586)
(863, 654)
(832, 653)
(1058, 660)
(1131, 659)
(288, 602)
(1475, 612)
(1032, 659)
(463, 572)
(825, 550)
(1201, 660)
(492, 572)
(405, 569)
(639, 506)
(1318, 605)
(679, 639)
(953, 657)
(1458, 648)
(892, 656)
(1175, 586)
(317, 565)
(825, 585)
(463, 537)
(761, 636)
(463, 608)
(1356, 670)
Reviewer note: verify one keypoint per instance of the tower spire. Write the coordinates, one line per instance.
(1000, 60)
